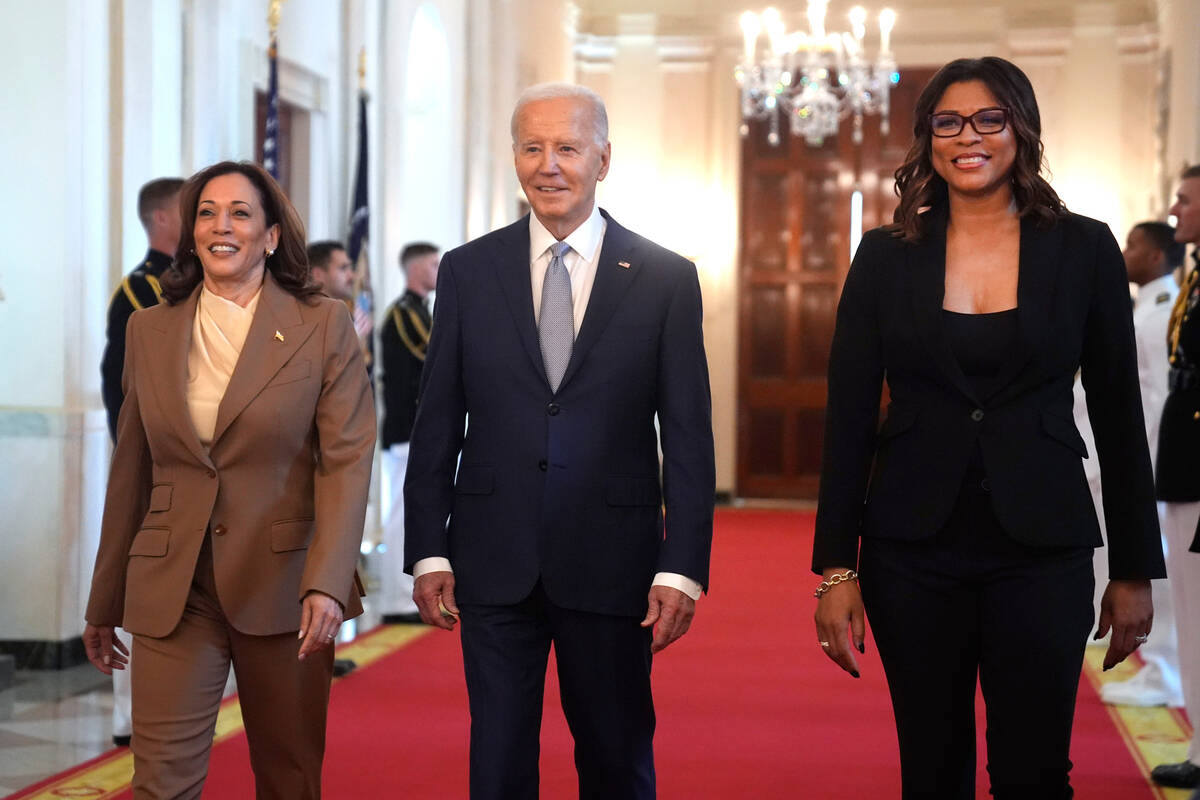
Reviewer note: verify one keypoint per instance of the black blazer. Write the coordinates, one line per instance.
(1074, 312)
(563, 485)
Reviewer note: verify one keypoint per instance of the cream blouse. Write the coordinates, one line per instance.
(218, 333)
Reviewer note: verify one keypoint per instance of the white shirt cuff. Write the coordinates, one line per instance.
(431, 564)
(676, 581)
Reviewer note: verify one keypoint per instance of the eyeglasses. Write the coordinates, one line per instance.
(985, 120)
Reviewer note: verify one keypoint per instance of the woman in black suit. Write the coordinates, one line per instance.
(978, 305)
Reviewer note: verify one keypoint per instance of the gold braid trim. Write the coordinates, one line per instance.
(417, 352)
(1178, 311)
(415, 319)
(125, 287)
(156, 286)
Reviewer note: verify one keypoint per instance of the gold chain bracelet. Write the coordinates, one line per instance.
(834, 580)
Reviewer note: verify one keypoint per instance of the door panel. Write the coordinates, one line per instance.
(795, 252)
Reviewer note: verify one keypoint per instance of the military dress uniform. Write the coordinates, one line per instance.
(403, 339)
(1177, 479)
(137, 290)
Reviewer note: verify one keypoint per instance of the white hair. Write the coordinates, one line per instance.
(555, 91)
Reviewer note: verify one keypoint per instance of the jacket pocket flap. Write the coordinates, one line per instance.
(1064, 430)
(474, 480)
(291, 534)
(150, 542)
(897, 422)
(160, 497)
(632, 490)
(292, 372)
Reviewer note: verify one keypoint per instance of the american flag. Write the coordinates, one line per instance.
(271, 134)
(356, 245)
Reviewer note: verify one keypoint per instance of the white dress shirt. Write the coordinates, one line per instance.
(580, 261)
(218, 334)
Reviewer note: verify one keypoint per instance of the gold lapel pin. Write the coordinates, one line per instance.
(623, 264)
(278, 336)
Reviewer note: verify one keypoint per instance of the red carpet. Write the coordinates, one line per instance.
(748, 706)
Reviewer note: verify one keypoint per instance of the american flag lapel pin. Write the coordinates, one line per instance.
(623, 264)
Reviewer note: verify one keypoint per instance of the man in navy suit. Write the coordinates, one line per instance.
(534, 508)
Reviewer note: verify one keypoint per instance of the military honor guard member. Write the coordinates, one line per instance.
(403, 342)
(158, 209)
(1177, 478)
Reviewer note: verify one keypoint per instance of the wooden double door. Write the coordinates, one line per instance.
(796, 205)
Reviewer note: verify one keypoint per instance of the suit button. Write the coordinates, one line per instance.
(212, 474)
(977, 414)
(552, 409)
(542, 465)
(219, 530)
(986, 485)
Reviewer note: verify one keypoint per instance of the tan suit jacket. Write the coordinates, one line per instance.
(283, 487)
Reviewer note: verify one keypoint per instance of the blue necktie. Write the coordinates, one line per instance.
(556, 326)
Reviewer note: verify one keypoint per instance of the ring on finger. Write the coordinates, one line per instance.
(1141, 638)
(823, 644)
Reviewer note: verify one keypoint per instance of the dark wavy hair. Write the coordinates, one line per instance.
(289, 263)
(918, 184)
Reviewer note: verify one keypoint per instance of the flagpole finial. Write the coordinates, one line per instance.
(362, 69)
(274, 11)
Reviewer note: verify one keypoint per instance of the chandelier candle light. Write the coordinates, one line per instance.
(815, 78)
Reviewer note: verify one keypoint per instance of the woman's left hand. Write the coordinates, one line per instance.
(320, 618)
(1128, 610)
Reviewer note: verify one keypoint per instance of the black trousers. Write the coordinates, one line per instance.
(604, 684)
(972, 601)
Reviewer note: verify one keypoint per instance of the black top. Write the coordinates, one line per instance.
(982, 345)
(139, 289)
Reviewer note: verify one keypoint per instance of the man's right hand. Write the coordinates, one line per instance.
(104, 649)
(433, 593)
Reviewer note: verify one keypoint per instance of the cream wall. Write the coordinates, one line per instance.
(1179, 24)
(674, 174)
(52, 442)
(422, 190)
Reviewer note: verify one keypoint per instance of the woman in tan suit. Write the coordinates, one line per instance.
(236, 496)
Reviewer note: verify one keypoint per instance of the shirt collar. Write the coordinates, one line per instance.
(157, 259)
(419, 299)
(584, 240)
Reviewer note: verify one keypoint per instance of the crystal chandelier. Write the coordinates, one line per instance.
(815, 79)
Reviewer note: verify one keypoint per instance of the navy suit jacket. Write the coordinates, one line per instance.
(514, 482)
(1074, 314)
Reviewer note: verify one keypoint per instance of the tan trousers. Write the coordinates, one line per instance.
(177, 689)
